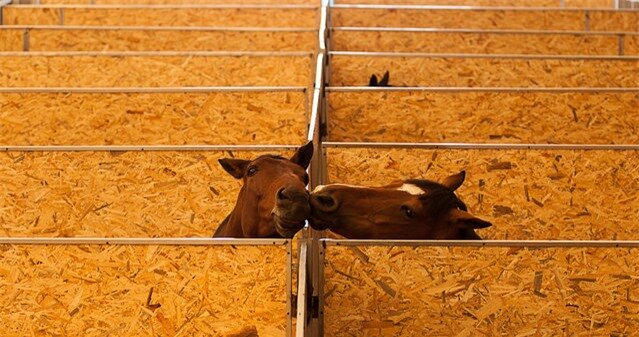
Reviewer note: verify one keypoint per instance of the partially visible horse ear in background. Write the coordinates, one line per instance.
(454, 181)
(373, 82)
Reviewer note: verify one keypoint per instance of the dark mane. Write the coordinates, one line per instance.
(439, 199)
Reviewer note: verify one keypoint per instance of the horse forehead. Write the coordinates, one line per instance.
(411, 189)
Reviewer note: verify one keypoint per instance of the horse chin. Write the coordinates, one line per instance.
(287, 228)
(319, 224)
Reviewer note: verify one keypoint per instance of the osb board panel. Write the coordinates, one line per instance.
(615, 21)
(526, 194)
(100, 290)
(227, 17)
(631, 45)
(11, 39)
(152, 118)
(439, 291)
(116, 194)
(486, 72)
(167, 40)
(154, 71)
(484, 117)
(475, 43)
(471, 19)
(174, 2)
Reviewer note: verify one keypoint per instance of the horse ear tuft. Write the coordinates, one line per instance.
(235, 167)
(385, 78)
(303, 155)
(465, 220)
(373, 81)
(453, 182)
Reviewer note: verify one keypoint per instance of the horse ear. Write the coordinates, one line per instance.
(453, 182)
(384, 81)
(303, 155)
(465, 220)
(235, 167)
(373, 81)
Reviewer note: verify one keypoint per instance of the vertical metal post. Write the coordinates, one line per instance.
(586, 20)
(322, 260)
(289, 288)
(621, 44)
(26, 40)
(302, 284)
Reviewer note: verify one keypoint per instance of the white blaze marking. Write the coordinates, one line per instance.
(412, 189)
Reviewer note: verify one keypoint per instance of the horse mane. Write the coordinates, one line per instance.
(439, 199)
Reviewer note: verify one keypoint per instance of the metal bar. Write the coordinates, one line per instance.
(586, 20)
(322, 29)
(289, 288)
(482, 146)
(482, 89)
(485, 243)
(174, 6)
(150, 148)
(300, 327)
(26, 37)
(488, 56)
(166, 28)
(159, 53)
(468, 8)
(144, 241)
(147, 90)
(621, 44)
(562, 3)
(478, 31)
(322, 260)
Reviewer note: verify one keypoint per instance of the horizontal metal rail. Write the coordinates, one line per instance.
(150, 148)
(482, 89)
(159, 53)
(481, 31)
(484, 243)
(162, 28)
(486, 56)
(143, 241)
(482, 146)
(174, 6)
(148, 89)
(479, 8)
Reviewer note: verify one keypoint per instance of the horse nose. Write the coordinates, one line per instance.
(324, 201)
(285, 194)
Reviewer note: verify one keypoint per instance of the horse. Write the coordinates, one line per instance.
(273, 201)
(382, 83)
(408, 209)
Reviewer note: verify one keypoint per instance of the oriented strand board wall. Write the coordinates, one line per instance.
(484, 117)
(11, 39)
(178, 118)
(614, 20)
(485, 72)
(505, 3)
(88, 39)
(104, 290)
(631, 45)
(168, 70)
(527, 194)
(218, 17)
(439, 291)
(176, 2)
(116, 194)
(476, 42)
(470, 19)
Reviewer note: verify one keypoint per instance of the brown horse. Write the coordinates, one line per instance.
(410, 209)
(273, 201)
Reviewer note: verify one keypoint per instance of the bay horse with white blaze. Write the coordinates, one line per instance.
(409, 209)
(273, 201)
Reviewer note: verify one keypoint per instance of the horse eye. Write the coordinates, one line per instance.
(251, 171)
(408, 212)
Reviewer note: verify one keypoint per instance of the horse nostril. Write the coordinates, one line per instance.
(326, 201)
(281, 195)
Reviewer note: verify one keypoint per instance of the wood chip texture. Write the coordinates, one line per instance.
(526, 194)
(11, 39)
(486, 72)
(455, 291)
(477, 43)
(91, 39)
(153, 71)
(496, 3)
(484, 117)
(120, 290)
(131, 16)
(116, 194)
(152, 118)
